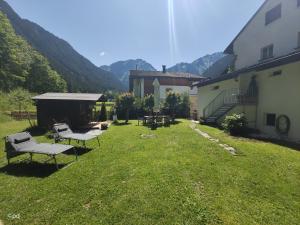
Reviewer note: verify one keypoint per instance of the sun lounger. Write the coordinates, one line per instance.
(22, 143)
(63, 131)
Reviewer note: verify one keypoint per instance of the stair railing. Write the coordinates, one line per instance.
(226, 97)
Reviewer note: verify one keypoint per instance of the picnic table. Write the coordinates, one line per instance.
(156, 120)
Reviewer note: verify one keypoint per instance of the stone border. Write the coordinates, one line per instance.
(226, 147)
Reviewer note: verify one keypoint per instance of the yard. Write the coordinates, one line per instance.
(173, 176)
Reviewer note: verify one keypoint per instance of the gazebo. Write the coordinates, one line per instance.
(76, 109)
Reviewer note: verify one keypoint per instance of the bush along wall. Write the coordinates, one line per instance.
(235, 124)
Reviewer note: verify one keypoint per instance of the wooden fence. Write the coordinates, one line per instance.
(23, 115)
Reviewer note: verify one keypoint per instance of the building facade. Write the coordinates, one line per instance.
(141, 83)
(265, 83)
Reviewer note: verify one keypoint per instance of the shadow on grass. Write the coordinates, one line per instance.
(26, 168)
(176, 122)
(157, 126)
(121, 124)
(36, 131)
(79, 150)
(30, 169)
(283, 143)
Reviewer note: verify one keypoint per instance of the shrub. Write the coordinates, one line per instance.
(177, 105)
(149, 103)
(235, 124)
(124, 104)
(184, 106)
(20, 98)
(138, 109)
(172, 103)
(103, 113)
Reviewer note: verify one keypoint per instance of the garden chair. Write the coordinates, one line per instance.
(22, 143)
(63, 131)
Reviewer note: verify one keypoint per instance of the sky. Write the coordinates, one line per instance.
(158, 31)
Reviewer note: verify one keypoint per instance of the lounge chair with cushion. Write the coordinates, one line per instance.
(63, 131)
(22, 143)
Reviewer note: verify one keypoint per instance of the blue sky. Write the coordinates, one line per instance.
(159, 31)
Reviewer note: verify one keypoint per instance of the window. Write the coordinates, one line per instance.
(216, 88)
(271, 119)
(276, 73)
(298, 3)
(273, 14)
(267, 52)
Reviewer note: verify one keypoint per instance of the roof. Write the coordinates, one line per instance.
(283, 60)
(220, 67)
(229, 49)
(70, 97)
(141, 73)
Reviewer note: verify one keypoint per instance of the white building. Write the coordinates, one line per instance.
(265, 82)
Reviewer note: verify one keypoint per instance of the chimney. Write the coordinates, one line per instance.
(164, 68)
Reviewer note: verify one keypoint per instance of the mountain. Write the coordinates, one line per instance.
(121, 69)
(22, 66)
(79, 73)
(199, 66)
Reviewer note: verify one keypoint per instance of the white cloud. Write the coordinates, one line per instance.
(102, 54)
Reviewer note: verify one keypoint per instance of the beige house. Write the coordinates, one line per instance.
(265, 84)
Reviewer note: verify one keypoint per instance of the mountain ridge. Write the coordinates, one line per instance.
(121, 68)
(198, 67)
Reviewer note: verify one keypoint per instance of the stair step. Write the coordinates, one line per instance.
(219, 113)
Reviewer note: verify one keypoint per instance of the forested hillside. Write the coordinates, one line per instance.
(22, 66)
(80, 74)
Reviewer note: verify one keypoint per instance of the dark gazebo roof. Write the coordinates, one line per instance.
(71, 97)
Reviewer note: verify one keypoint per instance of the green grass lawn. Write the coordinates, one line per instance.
(177, 177)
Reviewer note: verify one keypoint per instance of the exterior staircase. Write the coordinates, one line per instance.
(219, 113)
(223, 103)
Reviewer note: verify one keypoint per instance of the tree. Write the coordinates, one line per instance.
(22, 66)
(103, 113)
(42, 78)
(125, 102)
(171, 103)
(184, 105)
(20, 99)
(149, 103)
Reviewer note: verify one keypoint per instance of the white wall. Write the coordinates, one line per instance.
(280, 95)
(283, 33)
(176, 89)
(207, 94)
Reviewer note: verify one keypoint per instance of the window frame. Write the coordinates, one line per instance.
(268, 52)
(272, 16)
(270, 122)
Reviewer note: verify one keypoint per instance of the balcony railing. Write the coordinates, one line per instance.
(229, 97)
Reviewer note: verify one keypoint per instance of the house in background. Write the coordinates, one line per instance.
(265, 82)
(143, 83)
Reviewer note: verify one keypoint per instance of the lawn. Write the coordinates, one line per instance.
(174, 177)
